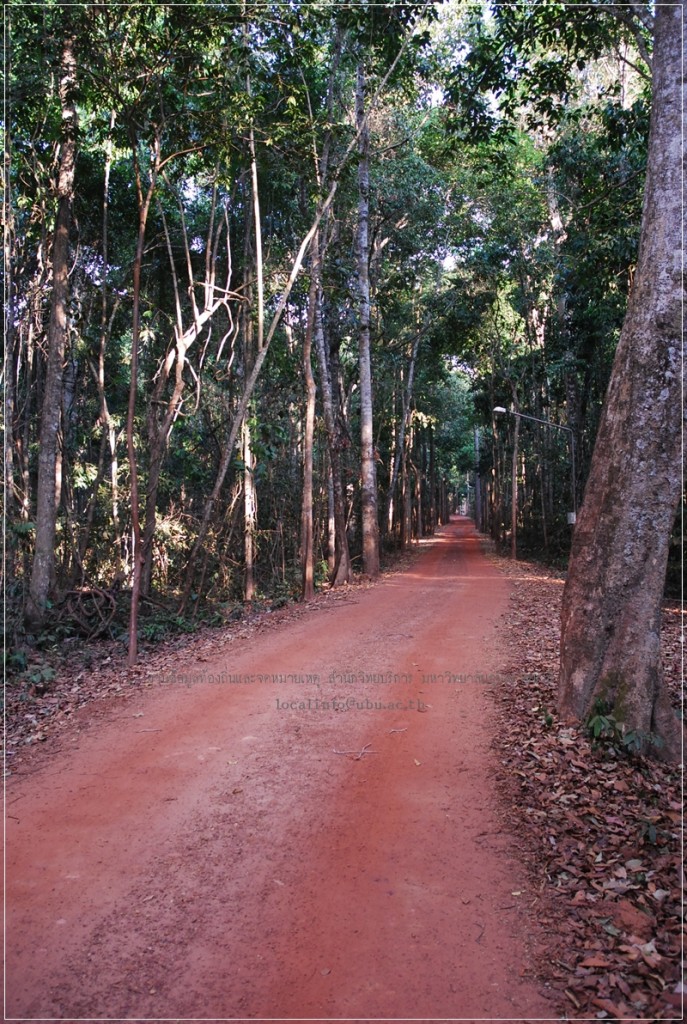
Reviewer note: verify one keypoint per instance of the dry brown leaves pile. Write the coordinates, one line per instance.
(603, 831)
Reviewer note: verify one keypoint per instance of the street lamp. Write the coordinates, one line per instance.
(572, 516)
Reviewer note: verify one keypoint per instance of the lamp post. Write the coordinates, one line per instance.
(572, 516)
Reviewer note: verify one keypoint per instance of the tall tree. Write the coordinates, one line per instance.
(368, 467)
(47, 498)
(339, 557)
(610, 638)
(249, 493)
(144, 200)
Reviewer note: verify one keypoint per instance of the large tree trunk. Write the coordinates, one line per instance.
(370, 522)
(610, 636)
(47, 496)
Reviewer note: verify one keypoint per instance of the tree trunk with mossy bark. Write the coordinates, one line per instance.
(611, 616)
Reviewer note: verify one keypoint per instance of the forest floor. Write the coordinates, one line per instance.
(238, 828)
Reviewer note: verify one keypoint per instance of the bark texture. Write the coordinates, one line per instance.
(610, 630)
(47, 497)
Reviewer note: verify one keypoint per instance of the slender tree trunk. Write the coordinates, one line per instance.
(250, 263)
(514, 494)
(307, 546)
(399, 444)
(610, 628)
(24, 438)
(370, 524)
(432, 489)
(424, 486)
(144, 201)
(403, 511)
(249, 492)
(419, 529)
(321, 167)
(496, 478)
(388, 519)
(331, 521)
(341, 572)
(545, 534)
(106, 420)
(257, 229)
(407, 494)
(478, 487)
(10, 362)
(47, 496)
(249, 514)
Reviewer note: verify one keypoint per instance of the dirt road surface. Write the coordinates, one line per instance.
(270, 846)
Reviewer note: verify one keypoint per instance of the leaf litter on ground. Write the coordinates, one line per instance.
(602, 830)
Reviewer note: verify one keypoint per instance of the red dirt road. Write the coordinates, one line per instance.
(205, 853)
